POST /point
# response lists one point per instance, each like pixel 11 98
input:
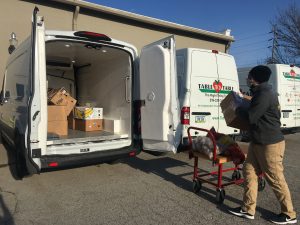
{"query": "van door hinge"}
pixel 40 20
pixel 35 115
pixel 36 153
pixel 167 44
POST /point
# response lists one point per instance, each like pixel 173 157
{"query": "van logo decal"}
pixel 292 74
pixel 216 87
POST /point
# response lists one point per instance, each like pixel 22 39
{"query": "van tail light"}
pixel 132 153
pixel 53 164
pixel 92 35
pixel 185 115
pixel 215 51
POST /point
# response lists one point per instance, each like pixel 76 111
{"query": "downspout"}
pixel 75 16
pixel 227 46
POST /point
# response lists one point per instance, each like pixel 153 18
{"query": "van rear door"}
pixel 297 95
pixel 158 92
pixel 229 81
pixel 37 116
pixel 205 90
pixel 286 88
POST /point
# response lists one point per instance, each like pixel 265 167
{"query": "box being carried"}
pixel 61 97
pixel 229 104
pixel 88 113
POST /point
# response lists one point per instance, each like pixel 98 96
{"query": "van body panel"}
pixel 205 79
pixel 285 81
pixel 28 81
pixel 14 113
pixel 158 90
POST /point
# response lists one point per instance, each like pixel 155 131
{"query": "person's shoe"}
pixel 241 213
pixel 283 219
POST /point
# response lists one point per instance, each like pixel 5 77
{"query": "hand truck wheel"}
pixel 236 175
pixel 261 183
pixel 197 185
pixel 220 196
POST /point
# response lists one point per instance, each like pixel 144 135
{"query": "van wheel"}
pixel 21 169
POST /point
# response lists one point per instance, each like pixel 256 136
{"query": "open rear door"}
pixel 37 116
pixel 158 92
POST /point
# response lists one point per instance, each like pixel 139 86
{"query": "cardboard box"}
pixel 88 113
pixel 56 113
pixel 71 120
pixel 61 97
pixel 57 120
pixel 88 125
pixel 229 104
pixel 58 127
pixel 71 123
pixel 113 126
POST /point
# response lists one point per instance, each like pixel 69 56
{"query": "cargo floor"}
pixel 76 136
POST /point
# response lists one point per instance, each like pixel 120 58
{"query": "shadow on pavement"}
pixel 11 163
pixel 6 217
pixel 160 167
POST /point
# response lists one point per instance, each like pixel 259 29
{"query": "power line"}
pixel 246 51
pixel 249 44
pixel 252 36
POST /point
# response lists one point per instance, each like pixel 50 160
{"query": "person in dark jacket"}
pixel 266 149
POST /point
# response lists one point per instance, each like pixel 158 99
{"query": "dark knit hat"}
pixel 260 73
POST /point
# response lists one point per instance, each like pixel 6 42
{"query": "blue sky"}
pixel 249 20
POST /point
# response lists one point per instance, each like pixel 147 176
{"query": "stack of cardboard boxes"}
pixel 229 105
pixel 63 114
pixel 60 105
pixel 86 118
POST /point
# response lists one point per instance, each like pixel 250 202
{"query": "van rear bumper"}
pixel 54 162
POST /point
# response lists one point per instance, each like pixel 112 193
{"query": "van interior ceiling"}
pixel 96 76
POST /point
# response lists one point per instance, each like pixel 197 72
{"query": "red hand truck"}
pixel 217 160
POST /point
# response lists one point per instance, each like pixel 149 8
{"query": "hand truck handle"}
pixel 210 135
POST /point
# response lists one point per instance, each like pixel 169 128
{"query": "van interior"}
pixel 96 76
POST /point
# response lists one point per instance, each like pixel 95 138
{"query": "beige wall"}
pixel 139 36
pixel 15 16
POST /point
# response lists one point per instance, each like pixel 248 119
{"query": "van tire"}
pixel 21 169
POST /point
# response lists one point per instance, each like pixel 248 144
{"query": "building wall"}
pixel 15 16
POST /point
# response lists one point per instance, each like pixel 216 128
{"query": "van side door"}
pixel 7 122
pixel 160 126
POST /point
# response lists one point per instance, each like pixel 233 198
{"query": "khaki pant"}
pixel 266 159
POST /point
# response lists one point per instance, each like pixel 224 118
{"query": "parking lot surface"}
pixel 144 190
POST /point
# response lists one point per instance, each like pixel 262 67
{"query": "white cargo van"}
pixel 285 80
pixel 205 77
pixel 93 68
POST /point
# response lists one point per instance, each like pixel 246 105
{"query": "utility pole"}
pixel 274 43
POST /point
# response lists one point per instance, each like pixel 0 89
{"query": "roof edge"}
pixel 145 19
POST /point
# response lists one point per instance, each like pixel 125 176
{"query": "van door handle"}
pixel 127 89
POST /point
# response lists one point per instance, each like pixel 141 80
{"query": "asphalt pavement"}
pixel 144 190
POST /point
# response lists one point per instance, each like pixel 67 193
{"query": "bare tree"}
pixel 286 29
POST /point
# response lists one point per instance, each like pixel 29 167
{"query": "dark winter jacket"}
pixel 263 115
